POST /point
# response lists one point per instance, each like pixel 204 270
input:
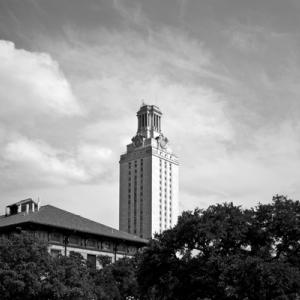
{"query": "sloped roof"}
pixel 52 216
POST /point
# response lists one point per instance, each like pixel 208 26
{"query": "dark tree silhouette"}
pixel 225 252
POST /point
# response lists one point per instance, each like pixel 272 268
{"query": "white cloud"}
pixel 95 158
pixel 38 159
pixel 37 162
pixel 223 153
pixel 32 83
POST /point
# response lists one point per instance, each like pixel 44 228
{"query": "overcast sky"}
pixel 73 74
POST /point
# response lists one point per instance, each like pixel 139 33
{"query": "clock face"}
pixel 137 141
pixel 163 143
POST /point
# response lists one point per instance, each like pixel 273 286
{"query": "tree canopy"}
pixel 222 252
pixel 226 252
pixel 27 271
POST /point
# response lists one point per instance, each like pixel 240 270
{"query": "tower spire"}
pixel 149 121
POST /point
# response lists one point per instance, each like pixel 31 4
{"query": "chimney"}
pixel 38 205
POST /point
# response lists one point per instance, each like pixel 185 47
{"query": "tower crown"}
pixel 149 121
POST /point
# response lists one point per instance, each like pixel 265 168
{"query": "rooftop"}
pixel 21 202
pixel 55 217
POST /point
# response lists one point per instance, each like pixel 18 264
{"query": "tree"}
pixel 24 264
pixel 118 280
pixel 27 271
pixel 225 252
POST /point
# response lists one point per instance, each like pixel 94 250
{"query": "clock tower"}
pixel 148 178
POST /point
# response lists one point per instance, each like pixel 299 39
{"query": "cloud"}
pixel 32 83
pixel 35 161
pixel 95 158
pixel 130 11
pixel 217 121
pixel 39 160
pixel 38 143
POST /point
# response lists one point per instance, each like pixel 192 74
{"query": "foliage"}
pixel 104 260
pixel 225 252
pixel 27 271
pixel 118 280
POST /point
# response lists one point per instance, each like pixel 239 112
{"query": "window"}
pixel 23 208
pixel 131 249
pixel 74 240
pixel 56 237
pixel 55 252
pixel 106 245
pixel 91 243
pixel 121 248
pixel 42 235
pixel 91 261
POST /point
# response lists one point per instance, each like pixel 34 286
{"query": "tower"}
pixel 148 178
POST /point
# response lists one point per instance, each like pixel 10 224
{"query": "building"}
pixel 66 232
pixel 148 179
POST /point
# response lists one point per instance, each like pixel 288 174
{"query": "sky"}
pixel 74 73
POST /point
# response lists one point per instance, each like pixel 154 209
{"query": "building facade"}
pixel 66 232
pixel 148 200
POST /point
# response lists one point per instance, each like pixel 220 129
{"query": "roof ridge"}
pixel 113 230
pixel 68 212
pixel 50 215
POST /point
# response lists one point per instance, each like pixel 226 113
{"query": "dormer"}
pixel 23 206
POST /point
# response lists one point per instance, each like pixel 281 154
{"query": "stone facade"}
pixel 148 179
pixel 65 232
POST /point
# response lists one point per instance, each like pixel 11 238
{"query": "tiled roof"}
pixel 52 216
